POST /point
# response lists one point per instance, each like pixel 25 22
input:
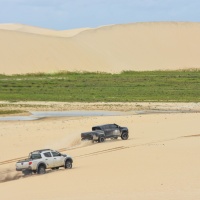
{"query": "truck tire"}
pixel 41 169
pixel 124 135
pixel 68 164
pixel 101 139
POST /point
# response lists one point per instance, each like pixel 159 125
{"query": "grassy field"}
pixel 129 86
pixel 9 112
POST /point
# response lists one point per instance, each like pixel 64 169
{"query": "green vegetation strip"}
pixel 129 86
pixel 8 112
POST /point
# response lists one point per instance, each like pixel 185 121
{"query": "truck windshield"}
pixel 34 156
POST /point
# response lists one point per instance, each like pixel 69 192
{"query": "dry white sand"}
pixel 158 162
pixel 114 48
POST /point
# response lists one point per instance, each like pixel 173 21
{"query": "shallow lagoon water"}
pixel 45 114
pixel 36 115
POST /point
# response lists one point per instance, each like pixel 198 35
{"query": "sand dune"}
pixel 158 162
pixel 41 31
pixel 139 46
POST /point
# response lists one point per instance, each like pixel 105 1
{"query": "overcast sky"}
pixel 69 14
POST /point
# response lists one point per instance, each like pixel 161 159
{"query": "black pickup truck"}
pixel 102 132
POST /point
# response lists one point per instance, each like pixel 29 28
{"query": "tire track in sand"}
pixel 93 153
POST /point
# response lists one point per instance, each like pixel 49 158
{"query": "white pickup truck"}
pixel 40 160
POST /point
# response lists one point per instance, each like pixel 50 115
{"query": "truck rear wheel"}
pixel 124 136
pixel 41 169
pixel 101 139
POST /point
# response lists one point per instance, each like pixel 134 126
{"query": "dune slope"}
pixel 139 46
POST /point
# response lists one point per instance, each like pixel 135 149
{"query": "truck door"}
pixel 114 130
pixel 111 130
pixel 106 130
pixel 48 159
pixel 58 159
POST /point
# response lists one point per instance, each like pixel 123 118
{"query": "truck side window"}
pixel 106 127
pixel 55 154
pixel 35 156
pixel 113 126
pixel 96 128
pixel 47 154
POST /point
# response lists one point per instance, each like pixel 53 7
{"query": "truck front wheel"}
pixel 68 164
pixel 124 136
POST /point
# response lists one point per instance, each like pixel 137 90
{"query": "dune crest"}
pixel 41 31
pixel 114 48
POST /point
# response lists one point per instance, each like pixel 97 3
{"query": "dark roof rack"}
pixel 105 125
pixel 41 150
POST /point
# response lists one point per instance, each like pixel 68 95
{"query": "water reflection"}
pixel 44 114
